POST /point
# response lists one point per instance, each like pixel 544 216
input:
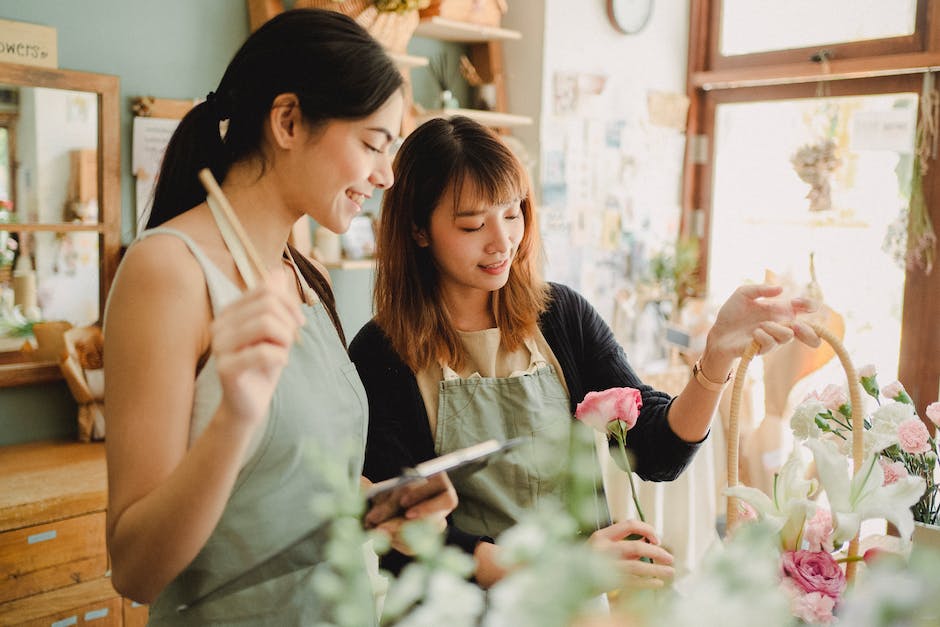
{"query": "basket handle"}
pixel 858 426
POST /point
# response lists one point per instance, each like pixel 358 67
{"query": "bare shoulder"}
pixel 159 284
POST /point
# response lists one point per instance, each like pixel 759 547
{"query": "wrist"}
pixel 712 373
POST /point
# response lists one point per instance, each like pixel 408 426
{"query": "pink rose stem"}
pixel 629 472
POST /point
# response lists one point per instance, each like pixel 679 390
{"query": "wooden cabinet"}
pixel 53 557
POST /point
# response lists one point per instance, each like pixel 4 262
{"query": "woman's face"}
pixel 474 247
pixel 345 161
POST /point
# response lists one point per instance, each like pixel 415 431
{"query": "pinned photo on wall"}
pixel 149 141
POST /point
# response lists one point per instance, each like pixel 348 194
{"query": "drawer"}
pixel 93 603
pixel 135 614
pixel 45 557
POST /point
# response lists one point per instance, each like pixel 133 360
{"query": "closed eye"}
pixel 371 147
pixel 467 229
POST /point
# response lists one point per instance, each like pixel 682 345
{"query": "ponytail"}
pixel 196 144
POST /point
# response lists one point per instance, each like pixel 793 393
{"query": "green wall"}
pixel 164 48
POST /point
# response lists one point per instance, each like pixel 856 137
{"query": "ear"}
pixel 285 119
pixel 420 237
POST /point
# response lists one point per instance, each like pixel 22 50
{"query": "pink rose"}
pixel 818 533
pixel 913 436
pixel 599 409
pixel 933 413
pixel 814 571
pixel 813 608
pixel 892 390
pixel 893 470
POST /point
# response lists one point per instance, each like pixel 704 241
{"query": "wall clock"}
pixel 629 16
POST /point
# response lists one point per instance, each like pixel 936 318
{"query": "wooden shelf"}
pixel 350 264
pixel 408 61
pixel 61 227
pixel 494 119
pixel 452 30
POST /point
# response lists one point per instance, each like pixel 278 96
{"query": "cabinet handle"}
pixel 93 614
pixel 42 537
pixel 65 622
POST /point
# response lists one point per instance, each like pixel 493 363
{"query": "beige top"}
pixel 486 357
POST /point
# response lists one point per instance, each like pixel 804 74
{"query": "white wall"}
pixel 618 166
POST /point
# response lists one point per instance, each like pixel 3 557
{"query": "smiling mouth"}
pixel 356 197
pixel 496 267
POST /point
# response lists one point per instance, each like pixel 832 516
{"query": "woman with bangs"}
pixel 469 343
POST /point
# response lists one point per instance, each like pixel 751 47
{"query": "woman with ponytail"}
pixel 229 408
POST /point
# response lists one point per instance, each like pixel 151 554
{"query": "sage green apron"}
pixel 533 405
pixel 258 564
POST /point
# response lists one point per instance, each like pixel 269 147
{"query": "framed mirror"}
pixel 60 213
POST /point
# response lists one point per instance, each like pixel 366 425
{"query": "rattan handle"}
pixel 858 427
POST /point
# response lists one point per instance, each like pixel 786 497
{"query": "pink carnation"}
pixel 892 390
pixel 893 470
pixel 599 409
pixel 933 413
pixel 867 371
pixel 814 571
pixel 832 397
pixel 813 608
pixel 818 532
pixel 913 436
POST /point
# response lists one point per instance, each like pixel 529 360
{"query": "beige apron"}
pixel 533 404
pixel 257 566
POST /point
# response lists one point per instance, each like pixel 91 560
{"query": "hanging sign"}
pixel 28 44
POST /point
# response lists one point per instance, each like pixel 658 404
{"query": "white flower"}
pixel 893 413
pixel 790 506
pixel 863 496
pixel 803 421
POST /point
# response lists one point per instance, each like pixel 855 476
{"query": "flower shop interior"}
pixel 631 116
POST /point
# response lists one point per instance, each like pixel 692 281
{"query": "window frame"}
pixel 858 68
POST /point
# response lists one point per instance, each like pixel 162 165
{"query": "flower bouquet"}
pixel 812 538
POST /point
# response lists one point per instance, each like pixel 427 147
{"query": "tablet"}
pixel 468 459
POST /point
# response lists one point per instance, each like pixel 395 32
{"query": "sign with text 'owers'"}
pixel 28 44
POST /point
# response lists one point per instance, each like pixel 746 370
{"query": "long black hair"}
pixel 336 69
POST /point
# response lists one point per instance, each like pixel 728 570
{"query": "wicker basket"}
pixel 484 12
pixel 858 427
pixel 392 30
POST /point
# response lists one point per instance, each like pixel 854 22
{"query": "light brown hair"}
pixel 408 304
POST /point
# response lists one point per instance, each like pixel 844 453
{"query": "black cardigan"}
pixel 590 359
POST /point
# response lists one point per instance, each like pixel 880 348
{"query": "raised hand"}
pixel 753 314
pixel 251 339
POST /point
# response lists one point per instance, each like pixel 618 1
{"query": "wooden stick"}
pixel 212 187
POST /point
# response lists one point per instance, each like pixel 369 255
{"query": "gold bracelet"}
pixel 705 382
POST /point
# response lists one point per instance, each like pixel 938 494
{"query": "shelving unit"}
pixel 408 61
pixel 451 30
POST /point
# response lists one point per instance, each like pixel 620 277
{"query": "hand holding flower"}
pixel 643 562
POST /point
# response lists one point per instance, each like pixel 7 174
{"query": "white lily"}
pixel 789 506
pixel 863 496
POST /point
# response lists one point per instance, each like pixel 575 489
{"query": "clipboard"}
pixel 462 459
